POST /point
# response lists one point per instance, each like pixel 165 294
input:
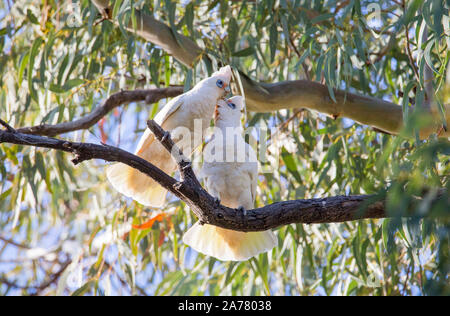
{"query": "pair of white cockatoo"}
pixel 232 182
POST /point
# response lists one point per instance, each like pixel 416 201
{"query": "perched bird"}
pixel 180 113
pixel 233 182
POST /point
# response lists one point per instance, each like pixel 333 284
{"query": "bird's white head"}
pixel 228 112
pixel 220 80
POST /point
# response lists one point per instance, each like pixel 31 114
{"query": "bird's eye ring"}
pixel 231 105
pixel 219 83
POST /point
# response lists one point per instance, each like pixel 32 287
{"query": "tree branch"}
pixel 12 242
pixel 115 100
pixel 205 207
pixel 39 288
pixel 53 278
pixel 267 97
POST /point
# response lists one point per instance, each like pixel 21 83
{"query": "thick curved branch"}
pixel 268 97
pixel 115 100
pixel 205 207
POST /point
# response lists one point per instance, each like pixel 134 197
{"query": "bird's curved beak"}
pixel 227 88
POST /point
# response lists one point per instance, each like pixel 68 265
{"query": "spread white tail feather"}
pixel 228 245
pixel 136 185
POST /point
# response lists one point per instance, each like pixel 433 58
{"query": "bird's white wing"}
pixel 169 109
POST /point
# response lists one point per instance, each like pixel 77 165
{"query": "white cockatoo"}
pixel 180 113
pixel 230 172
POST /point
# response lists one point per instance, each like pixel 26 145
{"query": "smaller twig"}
pixel 294 48
pixel 411 59
pixel 411 100
pixel 100 21
pixel 7 126
pixel 12 284
pixel 289 120
pixel 406 280
pixel 122 281
pixel 441 130
pixel 38 288
pixel 428 79
pixel 408 48
pixel 53 279
pixel 386 49
pixel 341 5
pixel 11 242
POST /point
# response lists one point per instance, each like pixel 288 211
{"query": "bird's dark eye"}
pixel 219 83
pixel 231 105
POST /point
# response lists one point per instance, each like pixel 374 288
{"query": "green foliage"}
pixel 52 71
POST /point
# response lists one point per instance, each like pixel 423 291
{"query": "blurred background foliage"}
pixel 64 230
